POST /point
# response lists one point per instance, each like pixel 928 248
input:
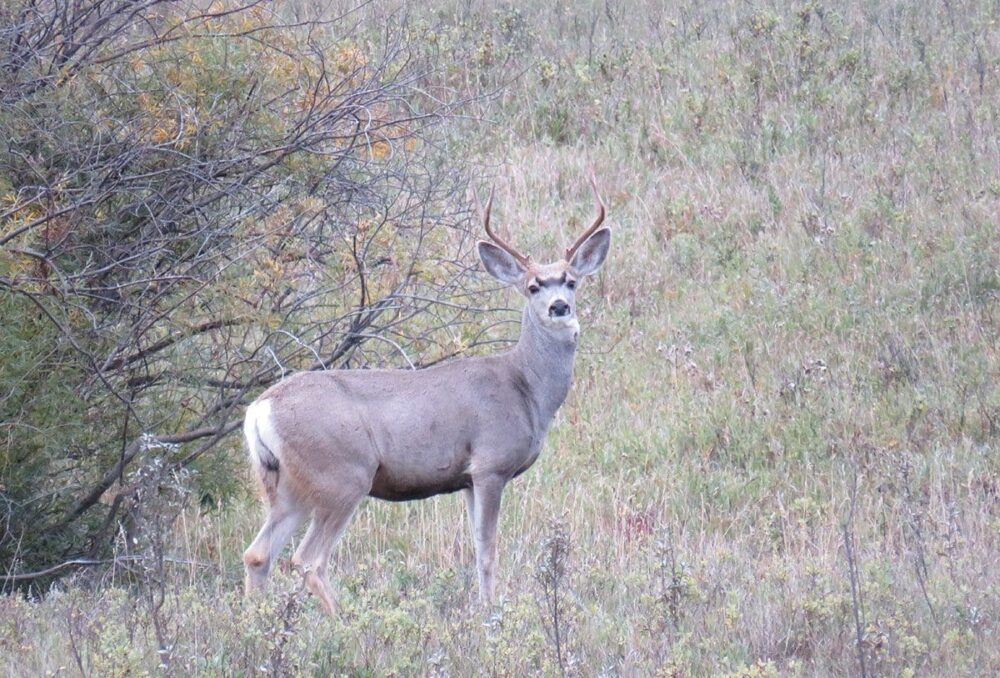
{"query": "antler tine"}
pixel 599 204
pixel 524 260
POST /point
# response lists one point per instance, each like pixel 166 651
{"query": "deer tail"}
pixel 263 447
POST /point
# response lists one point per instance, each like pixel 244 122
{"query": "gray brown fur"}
pixel 322 441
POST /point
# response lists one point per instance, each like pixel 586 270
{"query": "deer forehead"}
pixel 557 271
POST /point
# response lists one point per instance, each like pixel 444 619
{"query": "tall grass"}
pixel 779 456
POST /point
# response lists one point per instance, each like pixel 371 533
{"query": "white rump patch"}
pixel 258 429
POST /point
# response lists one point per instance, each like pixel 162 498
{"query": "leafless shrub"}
pixel 671 579
pixel 854 577
pixel 194 202
pixel 288 615
pixel 157 493
pixel 552 577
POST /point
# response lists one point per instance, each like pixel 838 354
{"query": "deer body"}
pixel 320 442
pixel 387 425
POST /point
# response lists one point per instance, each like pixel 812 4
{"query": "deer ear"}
pixel 590 255
pixel 500 264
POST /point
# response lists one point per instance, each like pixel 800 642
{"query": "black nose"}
pixel 559 308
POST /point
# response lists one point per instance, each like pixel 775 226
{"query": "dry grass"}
pixel 792 348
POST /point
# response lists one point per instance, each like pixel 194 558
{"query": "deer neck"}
pixel 545 357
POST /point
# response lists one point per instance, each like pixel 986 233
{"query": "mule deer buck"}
pixel 320 442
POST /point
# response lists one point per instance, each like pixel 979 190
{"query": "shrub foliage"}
pixel 194 201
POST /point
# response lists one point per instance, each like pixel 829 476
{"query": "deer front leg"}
pixel 470 509
pixel 484 514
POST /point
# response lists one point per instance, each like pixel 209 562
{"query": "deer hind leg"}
pixel 283 518
pixel 484 512
pixel 313 554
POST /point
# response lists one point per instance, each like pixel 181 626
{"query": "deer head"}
pixel 550 289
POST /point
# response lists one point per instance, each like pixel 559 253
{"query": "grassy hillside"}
pixel 779 456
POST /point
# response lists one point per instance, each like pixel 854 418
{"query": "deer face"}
pixel 550 289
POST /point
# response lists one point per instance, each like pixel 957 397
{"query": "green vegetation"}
pixel 779 456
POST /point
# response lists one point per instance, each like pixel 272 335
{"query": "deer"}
pixel 320 442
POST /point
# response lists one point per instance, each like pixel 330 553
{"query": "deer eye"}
pixel 571 284
pixel 533 288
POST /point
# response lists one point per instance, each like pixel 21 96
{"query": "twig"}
pixel 92 562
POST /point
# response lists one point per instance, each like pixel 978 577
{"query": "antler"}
pixel 599 204
pixel 524 260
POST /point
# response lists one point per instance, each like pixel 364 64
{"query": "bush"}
pixel 193 203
